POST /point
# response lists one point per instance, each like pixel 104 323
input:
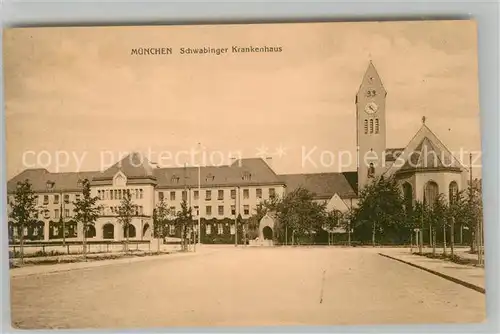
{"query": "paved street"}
pixel 244 286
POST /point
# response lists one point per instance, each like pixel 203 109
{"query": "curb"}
pixel 437 273
pixel 97 264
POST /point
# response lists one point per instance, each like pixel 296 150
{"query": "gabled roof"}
pixel 425 152
pixel 133 165
pixel 323 185
pixel 243 172
pixel 39 178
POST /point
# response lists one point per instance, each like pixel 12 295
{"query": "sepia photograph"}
pixel 267 174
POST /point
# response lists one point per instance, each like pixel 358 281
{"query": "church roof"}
pixel 323 185
pixel 424 152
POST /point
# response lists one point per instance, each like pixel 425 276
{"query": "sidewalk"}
pixel 54 268
pixel 469 276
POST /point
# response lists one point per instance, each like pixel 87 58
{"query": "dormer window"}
pixel 79 183
pixel 210 177
pixel 50 185
pixel 246 176
pixel 175 179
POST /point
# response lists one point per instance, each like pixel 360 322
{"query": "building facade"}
pixel 424 168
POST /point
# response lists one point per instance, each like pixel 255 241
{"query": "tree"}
pixel 126 211
pixel 86 211
pixel 24 211
pixel 380 212
pixel 299 214
pixel 333 220
pixel 184 219
pixel 160 219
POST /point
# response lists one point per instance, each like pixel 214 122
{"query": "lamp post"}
pixel 199 199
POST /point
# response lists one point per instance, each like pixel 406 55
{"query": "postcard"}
pixel 244 175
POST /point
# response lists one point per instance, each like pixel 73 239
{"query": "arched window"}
pixel 371 126
pixel 376 125
pixel 108 231
pixel 431 192
pixel 366 126
pixel 131 231
pixel 408 196
pixel 90 232
pixel 453 191
pixel 145 230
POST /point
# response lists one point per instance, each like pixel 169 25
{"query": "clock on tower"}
pixel 370 115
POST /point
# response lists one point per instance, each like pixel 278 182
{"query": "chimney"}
pixel 269 161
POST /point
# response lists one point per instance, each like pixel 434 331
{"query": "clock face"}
pixel 371 108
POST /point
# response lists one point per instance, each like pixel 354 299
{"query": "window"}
pixel 197 210
pixel 184 195
pixel 232 229
pixel 259 193
pixel 209 229
pixel 46 214
pixel 233 193
pixel 196 195
pixel 172 195
pixel 246 209
pixel 376 125
pixel 56 213
pixel 233 210
pixel 221 210
pixel 247 176
pixel 220 194
pixel 366 126
pixel 246 193
pixel 453 192
pixel 77 197
pixel 220 229
pixel 208 210
pixel 172 209
pixel 66 212
pixel 160 196
pixel 175 179
pixel 111 194
pixel 171 228
pixel 371 125
pixel 272 192
pixel 208 195
pixel 56 199
pixel 66 198
pixel 210 177
pixel 140 210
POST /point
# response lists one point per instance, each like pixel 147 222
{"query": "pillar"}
pixel 46 230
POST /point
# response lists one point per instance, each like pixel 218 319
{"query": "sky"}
pixel 78 93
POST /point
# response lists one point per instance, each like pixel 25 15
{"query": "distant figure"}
pixel 371 171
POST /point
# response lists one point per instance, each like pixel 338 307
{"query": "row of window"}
pixel 220 210
pixel 45 199
pixel 57 213
pixel 372 126
pixel 220 194
pixel 116 209
pixel 219 227
pixel 118 194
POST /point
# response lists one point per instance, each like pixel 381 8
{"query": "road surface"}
pixel 244 287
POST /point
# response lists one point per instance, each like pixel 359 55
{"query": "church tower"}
pixel 370 116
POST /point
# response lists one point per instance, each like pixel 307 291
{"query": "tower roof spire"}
pixel 371 78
